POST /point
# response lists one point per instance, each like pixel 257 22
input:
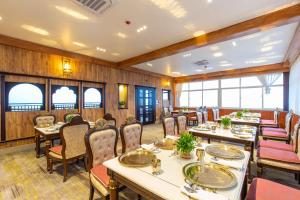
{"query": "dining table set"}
pixel 214 171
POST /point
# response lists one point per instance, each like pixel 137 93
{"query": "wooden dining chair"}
pixel 181 123
pixel 205 116
pixel 131 135
pixel 199 118
pixel 262 189
pixel 101 145
pixel 73 146
pixel 110 120
pixel 70 114
pixel 216 114
pixel 271 123
pixel 169 126
pixel 283 160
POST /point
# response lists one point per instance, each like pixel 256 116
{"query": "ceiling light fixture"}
pixel 267 48
pixel 149 64
pixel 226 65
pixel 72 13
pixel 35 29
pixel 218 54
pixel 100 49
pixel 223 62
pixel 172 6
pixel 214 48
pixel 176 73
pixel 141 29
pixel 234 44
pixel 199 70
pixel 121 35
pixel 115 54
pixel 79 44
pixel 187 55
pixel 0 18
pixel 199 33
pixel 209 1
pixel 255 61
pixel 273 43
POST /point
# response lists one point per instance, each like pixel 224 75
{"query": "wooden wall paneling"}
pixel 2 108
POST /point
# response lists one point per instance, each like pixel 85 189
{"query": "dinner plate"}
pixel 137 158
pixel 225 152
pixel 209 175
pixel 166 144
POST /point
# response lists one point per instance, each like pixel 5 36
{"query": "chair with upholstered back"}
pixel 110 120
pixel 205 116
pixel 101 145
pixel 216 114
pixel 131 135
pixel 181 123
pixel 73 146
pixel 67 115
pixel 271 123
pixel 169 126
pixel 199 118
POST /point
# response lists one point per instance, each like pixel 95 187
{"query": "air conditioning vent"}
pixel 95 6
pixel 201 62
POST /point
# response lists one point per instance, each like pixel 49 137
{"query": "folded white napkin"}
pixel 148 147
pixel 238 164
pixel 202 194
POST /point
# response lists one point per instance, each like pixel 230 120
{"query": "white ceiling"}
pixel 262 48
pixel 163 28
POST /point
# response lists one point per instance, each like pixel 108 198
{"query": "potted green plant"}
pixel 245 111
pixel 226 122
pixel 186 144
pixel 122 104
pixel 239 115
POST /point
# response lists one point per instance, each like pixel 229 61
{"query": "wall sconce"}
pixel 168 83
pixel 67 69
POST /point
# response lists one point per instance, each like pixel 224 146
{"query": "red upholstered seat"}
pixel 268 122
pixel 262 189
pixel 56 149
pixel 274 129
pixel 194 118
pixel 100 172
pixel 275 134
pixel 275 145
pixel 278 155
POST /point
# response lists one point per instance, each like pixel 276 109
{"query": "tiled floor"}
pixel 22 176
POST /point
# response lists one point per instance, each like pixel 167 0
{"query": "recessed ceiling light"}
pixel 79 44
pixel 234 44
pixel 209 1
pixel 273 43
pixel 72 13
pixel 226 65
pixel 187 55
pixel 100 49
pixel 265 39
pixel 255 61
pixel 141 29
pixel 149 64
pixel 0 18
pixel 176 73
pixel 121 35
pixel 115 54
pixel 199 33
pixel 35 29
pixel 214 48
pixel 172 6
pixel 268 48
pixel 229 69
pixel 208 68
pixel 218 54
pixel 199 70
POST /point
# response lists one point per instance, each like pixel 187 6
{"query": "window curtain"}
pixel 268 80
pixel 178 94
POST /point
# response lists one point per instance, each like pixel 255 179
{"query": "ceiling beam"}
pixel 264 69
pixel 294 49
pixel 258 24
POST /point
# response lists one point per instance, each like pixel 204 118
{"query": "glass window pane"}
pixel 92 98
pixel 210 98
pixel 185 86
pixel 250 81
pixel 231 82
pixel 184 99
pixel 251 98
pixel 279 81
pixel 195 85
pixel 231 98
pixel 195 99
pixel 275 98
pixel 211 84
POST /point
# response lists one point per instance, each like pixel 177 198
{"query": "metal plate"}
pixel 201 128
pixel 224 151
pixel 137 158
pixel 166 144
pixel 209 175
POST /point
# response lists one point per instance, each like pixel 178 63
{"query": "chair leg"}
pixel 65 171
pixel 259 171
pixel 51 165
pixel 85 163
pixel 92 190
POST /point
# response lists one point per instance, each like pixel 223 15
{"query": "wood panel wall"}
pixel 17 61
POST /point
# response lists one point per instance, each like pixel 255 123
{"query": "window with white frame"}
pixel 258 92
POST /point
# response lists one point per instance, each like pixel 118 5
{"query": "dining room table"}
pixel 248 114
pixel 170 184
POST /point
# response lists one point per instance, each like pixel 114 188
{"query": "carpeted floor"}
pixel 23 176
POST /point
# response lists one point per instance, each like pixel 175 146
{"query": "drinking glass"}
pixel 156 166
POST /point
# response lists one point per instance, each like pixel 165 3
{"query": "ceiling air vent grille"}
pixel 201 62
pixel 96 6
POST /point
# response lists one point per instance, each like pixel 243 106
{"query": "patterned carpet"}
pixel 24 177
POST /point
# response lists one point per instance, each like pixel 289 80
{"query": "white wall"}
pixel 294 91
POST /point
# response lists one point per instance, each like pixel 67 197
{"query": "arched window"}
pixel 64 97
pixel 92 98
pixel 24 96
